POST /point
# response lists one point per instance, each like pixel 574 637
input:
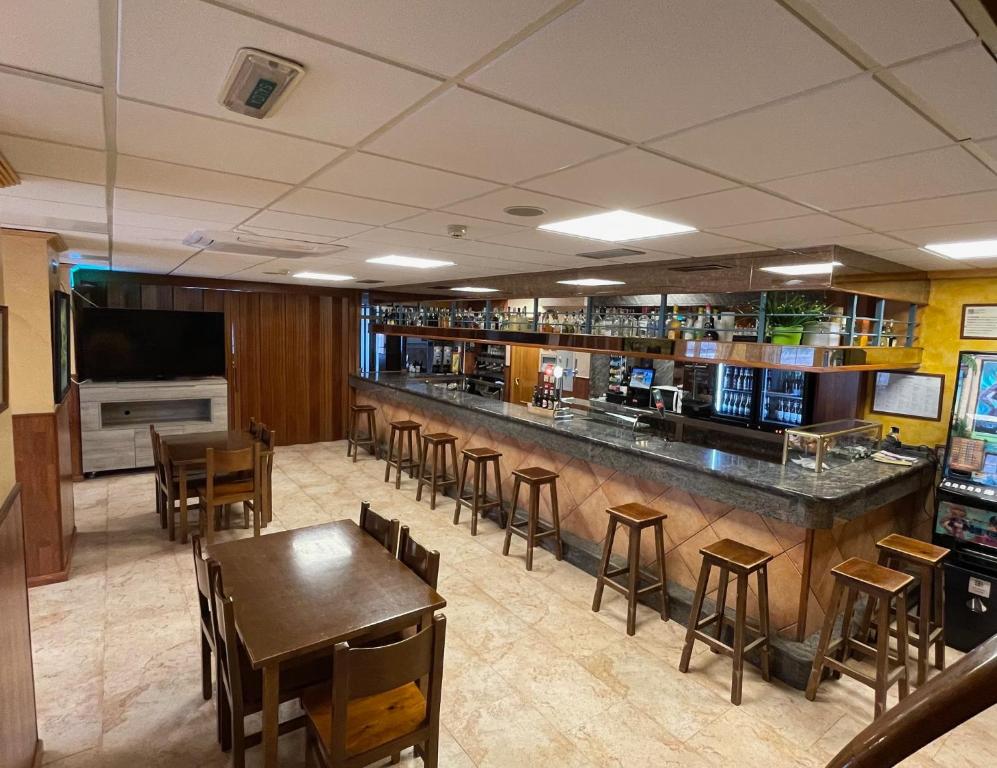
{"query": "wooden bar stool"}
pixel 399 430
pixel 438 442
pixel 636 517
pixel 478 500
pixel 854 577
pixel 535 478
pixel 353 440
pixel 731 557
pixel 897 551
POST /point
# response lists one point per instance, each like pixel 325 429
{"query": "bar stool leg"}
pixel 401 458
pixel 498 490
pixel 722 604
pixel 600 577
pixel 633 579
pixel 659 546
pixel 882 656
pixel 763 620
pixel 556 520
pixel 902 649
pixel 923 624
pixel 391 443
pixel 372 432
pixel 825 639
pixel 436 464
pixel 939 614
pixel 461 482
pixel 531 524
pixel 411 456
pixel 739 632
pixel 422 475
pixel 351 435
pixel 512 516
pixel 453 462
pixel 475 498
pixel 846 630
pixel 694 611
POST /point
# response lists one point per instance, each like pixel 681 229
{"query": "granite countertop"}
pixel 817 498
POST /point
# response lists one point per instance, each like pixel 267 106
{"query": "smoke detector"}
pixel 259 245
pixel 457 231
pixel 258 82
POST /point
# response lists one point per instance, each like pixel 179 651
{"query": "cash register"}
pixel 639 388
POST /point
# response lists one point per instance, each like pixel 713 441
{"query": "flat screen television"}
pixel 115 344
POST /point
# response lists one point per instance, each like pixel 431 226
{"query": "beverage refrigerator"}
pixel 966 504
pixel 769 399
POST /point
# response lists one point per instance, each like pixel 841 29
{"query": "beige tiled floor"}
pixel 533 677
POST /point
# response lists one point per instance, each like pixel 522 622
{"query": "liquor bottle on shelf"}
pixel 709 324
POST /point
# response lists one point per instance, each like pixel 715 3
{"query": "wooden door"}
pixel 523 367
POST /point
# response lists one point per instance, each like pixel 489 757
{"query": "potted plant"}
pixel 787 312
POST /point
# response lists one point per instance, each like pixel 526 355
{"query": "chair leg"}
pixel 556 521
pixel 763 620
pixel 694 611
pixel 238 739
pixel 205 668
pixel 225 718
pixel 309 749
pixel 600 577
pixel 633 579
pixel 659 546
pixel 531 524
pixel 740 620
pixel 461 482
pixel 825 639
pixel 511 518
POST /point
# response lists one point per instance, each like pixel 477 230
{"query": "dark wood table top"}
pixel 192 448
pixel 300 591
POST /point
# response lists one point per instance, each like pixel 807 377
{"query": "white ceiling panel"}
pixel 397 181
pixel 213 264
pixel 957 209
pixel 34 213
pixel 177 137
pixel 435 223
pixel 918 259
pixel 180 226
pixel 726 208
pixel 196 183
pixel 960 84
pixel 342 97
pixel 629 179
pixel 57 191
pixel 492 206
pixel 872 242
pixel 395 240
pixel 308 225
pixel 814 229
pixel 148 238
pixel 41 109
pixel 990 147
pixel 148 202
pixel 57 37
pixel 892 30
pixel 130 257
pixel 980 230
pixel 696 244
pixel 497 254
pixel 332 205
pixel 80 245
pixel 644 68
pixel 945 171
pixel 552 241
pixel 42 158
pixel 467 133
pixel 847 123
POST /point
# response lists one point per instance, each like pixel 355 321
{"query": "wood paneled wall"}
pixel 291 348
pixel 18 730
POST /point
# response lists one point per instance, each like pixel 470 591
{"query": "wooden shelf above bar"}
pixel 743 353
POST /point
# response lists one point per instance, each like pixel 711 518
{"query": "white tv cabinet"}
pixel 115 417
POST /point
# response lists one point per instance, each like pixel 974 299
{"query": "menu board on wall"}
pixel 914 395
pixel 979 321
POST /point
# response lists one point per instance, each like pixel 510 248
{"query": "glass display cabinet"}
pixel 832 444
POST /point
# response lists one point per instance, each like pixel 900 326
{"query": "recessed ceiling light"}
pixel 823 268
pixel 524 210
pixel 475 289
pixel 967 249
pixel 321 276
pixel 591 281
pixel 617 226
pixel 410 261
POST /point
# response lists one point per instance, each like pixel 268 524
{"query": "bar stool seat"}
pixel 434 453
pixel 477 501
pixel 535 479
pixel 401 429
pixel 883 585
pixel 731 557
pixel 636 517
pixel 353 440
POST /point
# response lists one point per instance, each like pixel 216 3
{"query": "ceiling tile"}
pixel 467 133
pixel 436 222
pixel 342 97
pixel 167 205
pixel 80 245
pixel 980 230
pixel 814 229
pixel 956 209
pixel 945 171
pixel 136 257
pixel 629 179
pixel 397 181
pixel 918 259
pixel 22 211
pixel 847 123
pixel 891 30
pixel 180 226
pixel 44 110
pixel 871 242
pixel 666 65
pixel 554 242
pixel 331 205
pixel 961 84
pixel 492 206
pixel 311 225
pixel 443 35
pixel 42 158
pixel 57 191
pixel 195 183
pixel 496 253
pixel 177 137
pixel 375 238
pixel 990 147
pixel 214 264
pixel 726 208
pixel 148 239
pixel 56 37
pixel 696 244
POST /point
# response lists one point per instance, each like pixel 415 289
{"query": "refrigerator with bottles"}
pixel 769 399
pixel 735 394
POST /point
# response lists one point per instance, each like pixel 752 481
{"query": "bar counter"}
pixel 809 522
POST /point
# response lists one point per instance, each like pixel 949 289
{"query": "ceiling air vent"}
pixel 368 282
pixel 700 268
pixel 8 176
pixel 259 245
pixel 612 253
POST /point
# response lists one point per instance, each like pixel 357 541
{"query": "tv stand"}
pixel 115 417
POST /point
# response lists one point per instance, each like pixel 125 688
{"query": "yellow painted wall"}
pixel 939 331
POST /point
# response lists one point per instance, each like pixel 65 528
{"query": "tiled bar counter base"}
pixel 708 495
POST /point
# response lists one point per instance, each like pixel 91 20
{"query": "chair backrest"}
pixel 382 530
pixel 268 440
pixel 226 637
pixel 422 562
pixel 254 427
pixel 157 453
pixel 203 579
pixel 361 672
pixel 219 464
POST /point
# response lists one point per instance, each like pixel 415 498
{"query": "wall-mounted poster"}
pixel 915 395
pixel 4 373
pixel 60 345
pixel 979 321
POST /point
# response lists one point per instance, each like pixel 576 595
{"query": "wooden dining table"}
pixel 298 593
pixel 189 452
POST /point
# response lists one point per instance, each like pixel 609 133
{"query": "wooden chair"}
pixel 254 427
pixel 268 441
pixel 168 484
pixel 204 602
pixel 383 531
pixel 240 687
pixel 422 562
pixel 375 706
pixel 224 486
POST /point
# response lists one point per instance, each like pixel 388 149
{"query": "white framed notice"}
pixel 914 395
pixel 979 321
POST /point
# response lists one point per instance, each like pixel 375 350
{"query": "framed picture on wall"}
pixel 60 345
pixel 4 374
